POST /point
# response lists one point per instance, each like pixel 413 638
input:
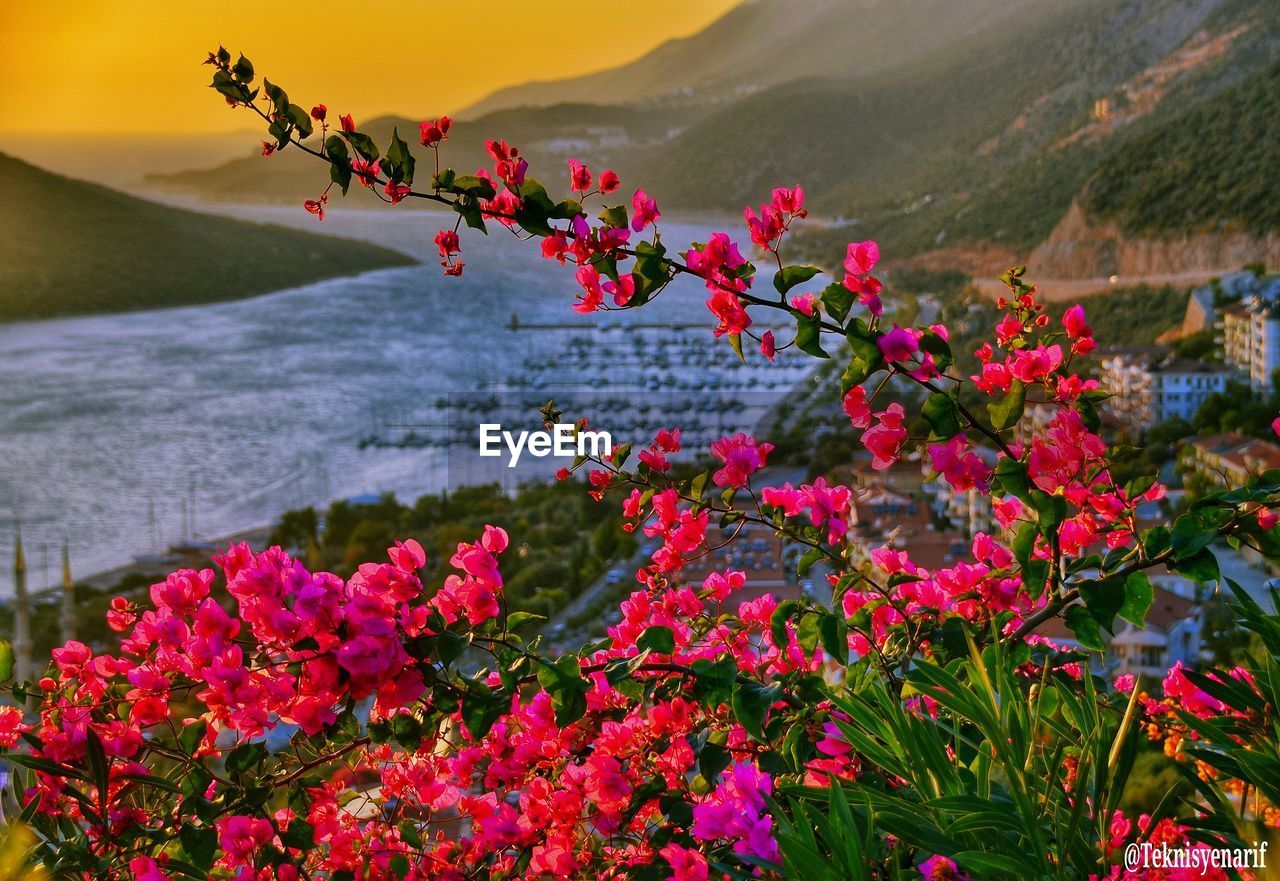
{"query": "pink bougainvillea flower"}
pixel 806 303
pixel 856 407
pixel 592 293
pixel 742 456
pixel 899 344
pixel 686 863
pixel 609 181
pixel 861 257
pixel 621 290
pixel 447 241
pixel 940 868
pixel 432 132
pixel 962 469
pixel 885 439
pixel 644 211
pixel 579 176
pixel 1074 322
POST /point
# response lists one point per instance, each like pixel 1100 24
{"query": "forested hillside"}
pixel 1218 165
pixel 69 247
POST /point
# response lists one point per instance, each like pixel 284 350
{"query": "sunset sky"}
pixel 133 66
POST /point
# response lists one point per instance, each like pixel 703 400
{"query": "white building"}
pixel 1151 385
pixel 1251 339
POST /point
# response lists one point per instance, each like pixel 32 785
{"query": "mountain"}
pixel 121 160
pixel 1200 191
pixel 959 132
pixel 1216 166
pixel 761 43
pixel 547 137
pixel 70 247
pixel 988 141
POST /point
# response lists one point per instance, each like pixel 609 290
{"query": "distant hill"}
pixel 939 127
pixel 986 141
pixel 1218 166
pixel 1199 192
pixel 548 136
pixel 69 247
pixel 761 43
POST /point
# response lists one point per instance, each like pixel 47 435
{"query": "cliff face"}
pixel 1080 247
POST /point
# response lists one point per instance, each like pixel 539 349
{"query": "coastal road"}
pixel 1056 290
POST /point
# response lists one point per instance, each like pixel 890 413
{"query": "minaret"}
pixel 68 618
pixel 21 614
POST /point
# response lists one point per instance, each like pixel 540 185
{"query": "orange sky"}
pixel 132 66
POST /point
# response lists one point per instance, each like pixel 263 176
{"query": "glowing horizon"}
pixel 59 60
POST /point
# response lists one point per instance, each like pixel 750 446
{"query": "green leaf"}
pixel 835 636
pixel 735 343
pixel 933 343
pixel 1138 597
pixel 807 632
pixel 35 763
pixel 470 184
pixel 562 680
pixel 1189 536
pixel 481 707
pixel 865 360
pixel 516 620
pixel 783 613
pixel 750 704
pixel 1084 626
pixel 658 639
pixel 698 484
pixel 469 208
pixel 534 212
pixel 243 71
pixel 301 120
pixel 1103 598
pixel 808 559
pixel 615 217
pixel 407 731
pixel 713 681
pixel 1011 476
pixel 1035 575
pixel 278 96
pixel 400 160
pixel 713 758
pixel 788 277
pixel 6 660
pixel 837 300
pixel 809 336
pixel 363 144
pixel 1201 567
pixel 244 757
pixel 1006 413
pixel 200 844
pixel 940 412
pixel 984 864
pixel 1051 510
